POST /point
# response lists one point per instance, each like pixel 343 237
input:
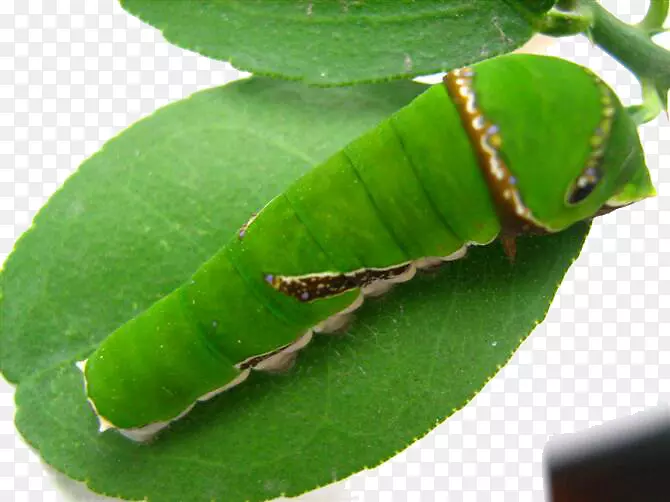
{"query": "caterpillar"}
pixel 518 144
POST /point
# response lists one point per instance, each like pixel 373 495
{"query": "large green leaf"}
pixel 331 42
pixel 143 213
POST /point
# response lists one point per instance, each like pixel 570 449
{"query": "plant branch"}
pixel 652 104
pixel 631 45
pixel 563 23
pixel 656 16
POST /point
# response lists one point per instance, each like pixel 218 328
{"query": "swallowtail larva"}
pixel 514 145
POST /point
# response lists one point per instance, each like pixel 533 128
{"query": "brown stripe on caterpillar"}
pixel 310 287
pixel 275 360
pixel 255 360
pixel 243 229
pixel 515 217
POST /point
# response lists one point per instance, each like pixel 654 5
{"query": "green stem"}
pixel 564 23
pixel 633 47
pixel 656 16
pixel 651 107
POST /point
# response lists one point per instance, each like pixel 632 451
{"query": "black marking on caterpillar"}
pixel 588 180
pixel 312 287
pixel 256 360
pixel 243 229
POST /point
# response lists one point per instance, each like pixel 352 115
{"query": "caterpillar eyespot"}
pixel 467 162
pixel 584 186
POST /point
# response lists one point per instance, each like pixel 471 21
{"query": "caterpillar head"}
pixel 554 142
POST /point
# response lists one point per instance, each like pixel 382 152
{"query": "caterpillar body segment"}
pixel 517 144
pixel 457 190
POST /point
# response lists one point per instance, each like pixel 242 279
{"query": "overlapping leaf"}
pixel 335 42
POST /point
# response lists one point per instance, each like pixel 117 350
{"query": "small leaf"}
pixel 141 215
pixel 329 42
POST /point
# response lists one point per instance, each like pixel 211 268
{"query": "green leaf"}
pixel 141 215
pixel 538 6
pixel 329 42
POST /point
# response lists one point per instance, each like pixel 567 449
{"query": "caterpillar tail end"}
pixel 148 432
pixel 140 435
pixel 103 424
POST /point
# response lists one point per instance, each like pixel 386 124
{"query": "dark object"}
pixel 624 460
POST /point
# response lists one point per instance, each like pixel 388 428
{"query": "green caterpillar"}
pixel 514 145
